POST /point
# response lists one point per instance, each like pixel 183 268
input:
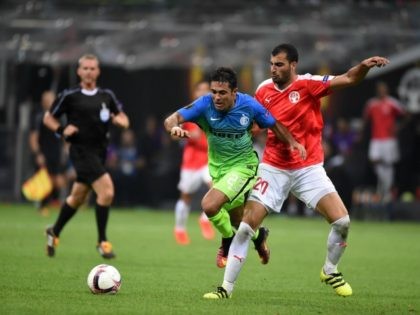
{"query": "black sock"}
pixel 102 214
pixel 66 213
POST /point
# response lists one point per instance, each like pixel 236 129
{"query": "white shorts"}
pixel 308 184
pixel 191 180
pixel 384 150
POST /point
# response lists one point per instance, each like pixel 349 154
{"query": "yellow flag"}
pixel 38 186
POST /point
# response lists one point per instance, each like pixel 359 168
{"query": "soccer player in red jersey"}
pixel 382 111
pixel 294 100
pixel 194 172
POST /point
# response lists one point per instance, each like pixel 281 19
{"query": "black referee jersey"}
pixel 90 111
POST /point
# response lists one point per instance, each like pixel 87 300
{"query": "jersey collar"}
pixel 282 90
pixel 89 92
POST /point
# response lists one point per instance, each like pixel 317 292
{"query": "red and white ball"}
pixel 104 279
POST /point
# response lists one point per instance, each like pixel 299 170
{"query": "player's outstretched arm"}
pixel 357 73
pixel 172 126
pixel 284 135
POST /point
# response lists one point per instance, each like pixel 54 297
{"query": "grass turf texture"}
pixel 382 263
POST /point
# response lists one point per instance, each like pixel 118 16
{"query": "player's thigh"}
pixel 213 201
pixel 374 152
pixel 189 181
pixel 103 185
pixel 271 188
pixel 310 184
pixel 390 151
pixel 235 184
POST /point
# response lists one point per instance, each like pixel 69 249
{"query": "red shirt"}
pixel 383 113
pixel 195 150
pixel 298 108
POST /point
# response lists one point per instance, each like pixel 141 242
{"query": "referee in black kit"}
pixel 89 110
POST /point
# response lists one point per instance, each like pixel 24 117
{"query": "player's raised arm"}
pixel 172 126
pixel 284 135
pixel 357 73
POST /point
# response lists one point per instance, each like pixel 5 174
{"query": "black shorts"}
pixel 54 165
pixel 88 162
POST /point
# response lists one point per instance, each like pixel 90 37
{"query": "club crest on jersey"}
pixel 104 114
pixel 294 97
pixel 244 121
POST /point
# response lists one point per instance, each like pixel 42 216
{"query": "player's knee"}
pixel 244 232
pixel 106 197
pixel 210 208
pixel 75 201
pixel 342 225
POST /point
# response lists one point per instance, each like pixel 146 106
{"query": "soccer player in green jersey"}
pixel 226 116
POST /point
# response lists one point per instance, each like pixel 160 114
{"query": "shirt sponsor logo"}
pixel 214 118
pixel 294 97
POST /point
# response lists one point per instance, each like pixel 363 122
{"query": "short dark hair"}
pixel 225 74
pixel 290 50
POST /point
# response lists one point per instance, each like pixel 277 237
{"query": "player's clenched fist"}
pixel 179 132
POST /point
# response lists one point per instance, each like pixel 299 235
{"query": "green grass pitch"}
pixel 382 263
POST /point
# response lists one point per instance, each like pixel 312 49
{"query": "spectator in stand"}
pixel 150 139
pixel 382 112
pixel 151 144
pixel 126 165
pixel 343 137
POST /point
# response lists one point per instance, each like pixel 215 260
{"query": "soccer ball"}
pixel 104 279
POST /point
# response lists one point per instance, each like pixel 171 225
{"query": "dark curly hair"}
pixel 225 74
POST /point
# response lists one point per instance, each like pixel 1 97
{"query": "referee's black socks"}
pixel 66 213
pixel 102 214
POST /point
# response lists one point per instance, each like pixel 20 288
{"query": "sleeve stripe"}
pixel 60 101
pixel 116 101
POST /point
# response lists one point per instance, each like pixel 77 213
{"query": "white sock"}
pixel 385 173
pixel 237 254
pixel 182 210
pixel 336 243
